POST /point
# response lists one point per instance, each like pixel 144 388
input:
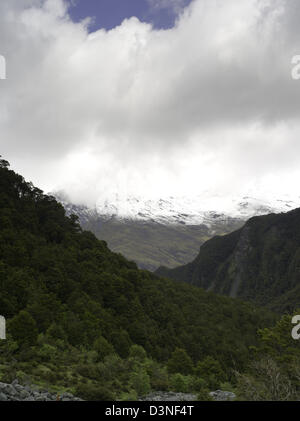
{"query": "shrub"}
pixel 266 382
pixel 180 383
pixel 24 329
pixel 87 370
pixel 46 352
pixel 180 362
pixel 140 382
pixel 90 392
pixel 138 353
pixel 113 367
pixel 199 384
pixel 211 370
pixel 129 396
pixel 227 387
pixel 159 378
pixel 204 395
pixel 103 348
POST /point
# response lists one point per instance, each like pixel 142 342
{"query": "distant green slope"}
pixel 260 262
pixel 151 244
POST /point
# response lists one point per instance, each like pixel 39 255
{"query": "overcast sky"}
pixel 185 98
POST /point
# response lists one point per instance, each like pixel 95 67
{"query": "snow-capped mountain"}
pixel 183 210
pixel 168 232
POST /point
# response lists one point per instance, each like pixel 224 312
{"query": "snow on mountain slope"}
pixel 183 210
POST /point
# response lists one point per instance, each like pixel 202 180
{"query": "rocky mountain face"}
pixel 169 232
pixel 259 262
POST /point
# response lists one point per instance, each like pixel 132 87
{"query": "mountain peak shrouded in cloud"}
pixel 207 105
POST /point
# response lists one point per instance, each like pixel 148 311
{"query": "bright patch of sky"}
pixel 108 14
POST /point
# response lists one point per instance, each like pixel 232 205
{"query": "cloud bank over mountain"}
pixel 208 105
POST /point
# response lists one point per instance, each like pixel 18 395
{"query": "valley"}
pixel 167 232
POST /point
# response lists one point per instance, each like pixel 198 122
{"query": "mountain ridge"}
pixel 166 232
pixel 260 262
pixel 185 210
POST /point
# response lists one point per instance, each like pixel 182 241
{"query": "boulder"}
pixel 221 395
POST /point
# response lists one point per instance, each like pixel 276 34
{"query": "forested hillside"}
pixel 85 319
pixel 260 262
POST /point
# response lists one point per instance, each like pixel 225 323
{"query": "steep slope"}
pixel 260 262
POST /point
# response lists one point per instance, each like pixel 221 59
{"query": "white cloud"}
pixel 209 104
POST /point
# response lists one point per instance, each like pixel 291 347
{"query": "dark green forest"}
pixel 83 319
